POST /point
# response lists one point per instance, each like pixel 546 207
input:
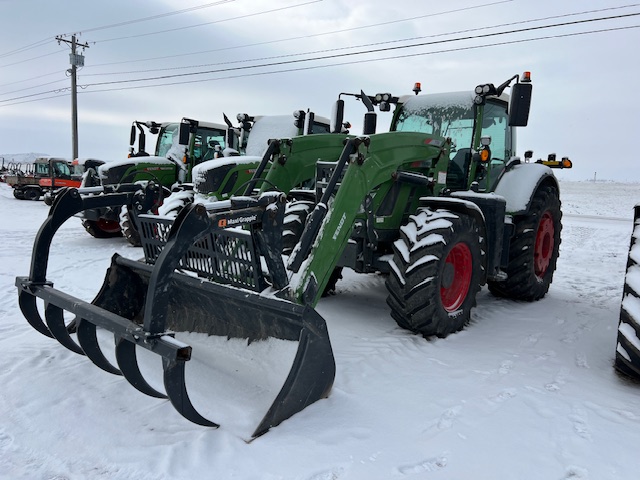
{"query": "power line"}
pixel 25 48
pixel 209 23
pixel 375 50
pixel 114 25
pixel 314 67
pixel 362 45
pixel 220 2
pixel 30 59
pixel 333 32
pixel 155 17
pixel 348 54
pixel 338 64
pixel 35 86
pixel 29 79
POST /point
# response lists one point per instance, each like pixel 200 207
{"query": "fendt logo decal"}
pixel 230 222
pixel 340 224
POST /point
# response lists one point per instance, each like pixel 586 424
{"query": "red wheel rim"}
pixel 543 250
pixel 456 277
pixel 108 226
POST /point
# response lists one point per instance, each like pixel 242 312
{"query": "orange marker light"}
pixel 526 76
pixel 566 163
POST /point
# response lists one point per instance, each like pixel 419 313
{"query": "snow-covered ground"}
pixel 526 391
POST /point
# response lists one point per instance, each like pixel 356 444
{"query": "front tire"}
pixel 128 228
pixel 175 202
pixel 102 228
pixel 32 194
pixel 436 272
pixel 534 249
pixel 295 218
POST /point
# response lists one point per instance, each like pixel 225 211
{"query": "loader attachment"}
pixel 202 277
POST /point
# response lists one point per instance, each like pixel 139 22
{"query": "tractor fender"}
pixel 519 184
pixel 462 207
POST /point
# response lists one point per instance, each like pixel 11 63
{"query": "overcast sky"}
pixel 585 100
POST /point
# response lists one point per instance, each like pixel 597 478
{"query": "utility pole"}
pixel 76 60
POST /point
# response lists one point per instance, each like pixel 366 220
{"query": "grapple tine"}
pixel 55 321
pixel 88 340
pixel 311 375
pixel 128 363
pixel 29 309
pixel 174 383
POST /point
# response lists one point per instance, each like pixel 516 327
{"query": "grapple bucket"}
pixel 222 293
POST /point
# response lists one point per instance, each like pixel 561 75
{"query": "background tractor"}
pixel 170 163
pixel 229 171
pixel 49 175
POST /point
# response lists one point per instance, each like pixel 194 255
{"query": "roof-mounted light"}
pixel 417 88
pixel 526 77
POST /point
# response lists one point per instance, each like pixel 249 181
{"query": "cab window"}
pixel 206 143
pixel 495 124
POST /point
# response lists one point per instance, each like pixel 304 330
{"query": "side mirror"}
pixel 370 121
pixel 230 138
pixel 132 136
pixel 337 116
pixel 520 104
pixel 183 133
pixel 308 123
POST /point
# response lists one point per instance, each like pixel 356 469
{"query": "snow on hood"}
pixel 133 160
pixel 199 170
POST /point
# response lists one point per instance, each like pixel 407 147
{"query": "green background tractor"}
pixel 170 163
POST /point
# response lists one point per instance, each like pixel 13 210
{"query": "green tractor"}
pixel 233 172
pixel 170 164
pixel 440 204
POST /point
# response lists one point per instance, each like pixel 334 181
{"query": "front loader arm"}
pixel 368 162
pixel 305 152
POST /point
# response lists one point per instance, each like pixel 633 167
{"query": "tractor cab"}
pixel 480 127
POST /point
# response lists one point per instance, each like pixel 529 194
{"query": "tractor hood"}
pixel 221 177
pixel 118 171
pixel 199 171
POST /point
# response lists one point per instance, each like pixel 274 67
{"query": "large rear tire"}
pixel 102 228
pixel 534 249
pixel 436 272
pixel 628 342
